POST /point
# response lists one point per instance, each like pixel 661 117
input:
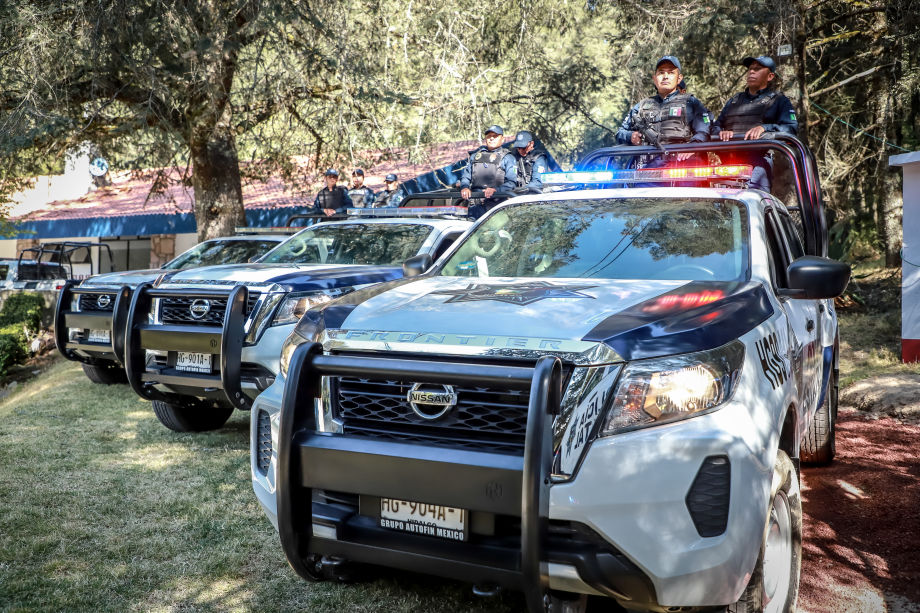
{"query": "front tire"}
pixel 106 375
pixel 774 584
pixel 819 445
pixel 190 418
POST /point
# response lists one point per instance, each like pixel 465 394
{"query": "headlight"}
pixel 291 343
pixel 294 306
pixel 662 390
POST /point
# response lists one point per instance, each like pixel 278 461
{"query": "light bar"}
pixel 740 172
pixel 410 211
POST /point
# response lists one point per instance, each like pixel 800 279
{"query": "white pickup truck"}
pixel 599 391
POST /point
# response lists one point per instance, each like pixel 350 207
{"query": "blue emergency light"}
pixel 736 172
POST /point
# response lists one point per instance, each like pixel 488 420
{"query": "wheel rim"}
pixel 777 557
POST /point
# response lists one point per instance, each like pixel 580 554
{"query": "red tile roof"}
pixel 129 193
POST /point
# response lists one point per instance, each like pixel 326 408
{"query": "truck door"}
pixel 802 316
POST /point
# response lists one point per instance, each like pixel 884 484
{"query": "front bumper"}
pixel 71 328
pixel 621 527
pixel 240 371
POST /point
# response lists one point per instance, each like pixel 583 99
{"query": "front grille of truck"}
pixel 484 419
pixel 90 302
pixel 177 310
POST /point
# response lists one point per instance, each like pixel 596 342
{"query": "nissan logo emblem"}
pixel 431 401
pixel 199 308
pixel 104 300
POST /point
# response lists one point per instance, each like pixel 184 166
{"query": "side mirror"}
pixel 816 278
pixel 416 265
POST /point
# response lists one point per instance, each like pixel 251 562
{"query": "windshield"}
pixel 629 238
pixel 220 251
pixel 381 244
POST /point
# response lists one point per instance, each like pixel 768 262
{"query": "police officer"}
pixel 756 110
pixel 529 162
pixel 392 193
pixel 360 194
pixel 490 168
pixel 332 199
pixel 670 116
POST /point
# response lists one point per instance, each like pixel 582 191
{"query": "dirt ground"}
pixel 862 515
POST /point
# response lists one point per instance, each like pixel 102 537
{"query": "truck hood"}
pixel 289 277
pixel 634 318
pixel 131 278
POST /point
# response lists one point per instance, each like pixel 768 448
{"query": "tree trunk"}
pixel 218 189
pixel 800 39
pixel 890 214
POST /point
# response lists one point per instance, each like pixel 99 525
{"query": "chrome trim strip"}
pixel 465 345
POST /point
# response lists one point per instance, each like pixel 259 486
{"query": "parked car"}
pixel 90 316
pixel 203 342
pixel 597 391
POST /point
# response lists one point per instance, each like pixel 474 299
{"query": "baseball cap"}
pixel 332 172
pixel 390 177
pixel 763 60
pixel 522 139
pixel 668 58
pixel 357 171
pixel 496 129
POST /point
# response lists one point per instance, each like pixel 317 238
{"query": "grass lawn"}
pixel 104 509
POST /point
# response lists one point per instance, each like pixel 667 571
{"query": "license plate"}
pixel 194 362
pixel 422 518
pixel 100 336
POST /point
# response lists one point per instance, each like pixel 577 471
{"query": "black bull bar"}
pixel 114 321
pixel 308 460
pixel 227 340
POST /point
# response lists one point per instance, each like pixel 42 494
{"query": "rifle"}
pixel 648 134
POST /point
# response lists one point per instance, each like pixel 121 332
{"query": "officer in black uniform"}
pixel 361 195
pixel 758 109
pixel 529 163
pixel 332 199
pixel 490 168
pixel 392 193
pixel 670 116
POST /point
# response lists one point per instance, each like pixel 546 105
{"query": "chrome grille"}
pixel 177 310
pixel 90 302
pixel 485 418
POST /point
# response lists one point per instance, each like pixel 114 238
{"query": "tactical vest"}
pixel 331 199
pixel 668 119
pixel 359 196
pixel 383 198
pixel 740 114
pixel 486 170
pixel 525 166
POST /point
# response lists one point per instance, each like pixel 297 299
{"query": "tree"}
pixel 157 79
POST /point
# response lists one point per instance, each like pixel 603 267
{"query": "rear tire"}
pixel 105 375
pixel 192 418
pixel 774 584
pixel 819 445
